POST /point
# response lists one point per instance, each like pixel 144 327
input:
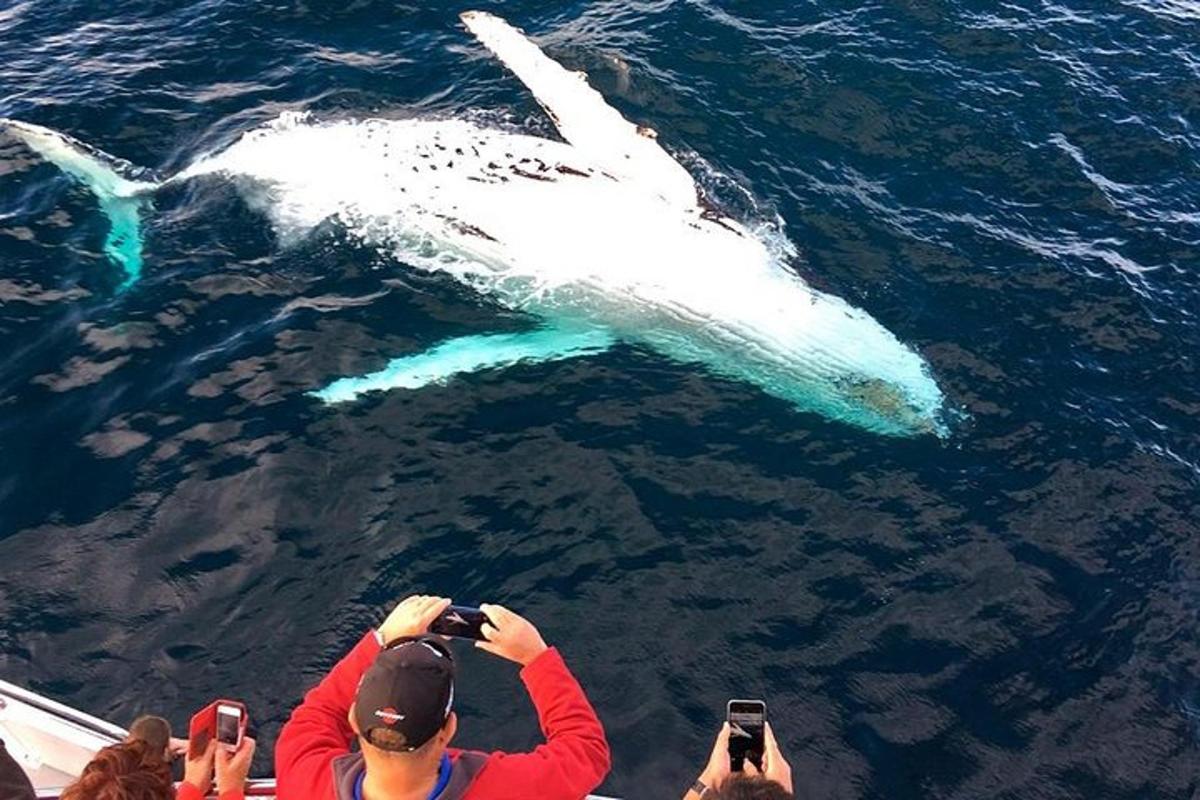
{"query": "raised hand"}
pixel 412 617
pixel 717 769
pixel 176 747
pixel 198 769
pixel 510 636
pixel 232 768
pixel 775 766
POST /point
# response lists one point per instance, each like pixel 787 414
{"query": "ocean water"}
pixel 1012 189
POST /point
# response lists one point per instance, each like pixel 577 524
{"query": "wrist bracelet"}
pixel 700 789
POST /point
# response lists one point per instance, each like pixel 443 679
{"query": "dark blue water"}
pixel 1014 189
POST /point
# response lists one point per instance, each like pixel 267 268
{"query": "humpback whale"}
pixel 601 237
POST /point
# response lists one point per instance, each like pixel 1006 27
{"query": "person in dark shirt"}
pixel 14 783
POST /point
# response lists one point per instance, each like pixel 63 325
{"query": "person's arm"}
pixel 185 791
pixel 775 766
pixel 197 773
pixel 575 757
pixel 715 771
pixel 319 729
pixel 233 768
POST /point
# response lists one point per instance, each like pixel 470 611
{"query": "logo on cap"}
pixel 389 715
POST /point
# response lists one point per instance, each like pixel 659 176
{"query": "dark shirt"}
pixel 14 785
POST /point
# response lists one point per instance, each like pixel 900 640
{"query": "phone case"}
pixel 202 729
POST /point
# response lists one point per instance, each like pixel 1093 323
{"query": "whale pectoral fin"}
pixel 582 116
pixel 471 354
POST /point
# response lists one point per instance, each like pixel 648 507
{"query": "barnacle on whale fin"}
pixel 889 401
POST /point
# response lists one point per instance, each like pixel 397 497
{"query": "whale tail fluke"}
pixel 120 198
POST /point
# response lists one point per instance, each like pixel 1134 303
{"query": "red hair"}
pixel 128 771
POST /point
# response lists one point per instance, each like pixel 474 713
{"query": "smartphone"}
pixel 462 622
pixel 231 722
pixel 747 720
pixel 224 720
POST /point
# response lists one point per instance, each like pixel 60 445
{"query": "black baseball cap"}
pixel 408 690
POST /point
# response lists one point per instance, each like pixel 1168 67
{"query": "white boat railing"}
pixel 53 742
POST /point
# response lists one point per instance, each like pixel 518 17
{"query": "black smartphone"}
pixel 462 622
pixel 747 720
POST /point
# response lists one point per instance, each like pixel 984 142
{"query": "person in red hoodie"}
pixel 394 694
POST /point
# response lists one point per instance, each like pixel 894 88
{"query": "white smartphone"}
pixel 229 726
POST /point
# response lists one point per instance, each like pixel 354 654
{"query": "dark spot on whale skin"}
pixel 458 151
pixel 535 176
pixel 712 215
pixel 415 168
pixel 565 170
pixel 449 165
pixel 473 231
pixel 473 150
pixel 470 230
pixel 525 160
pixel 493 165
pixel 439 146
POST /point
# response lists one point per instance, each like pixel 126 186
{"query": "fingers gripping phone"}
pixel 747 720
pixel 463 622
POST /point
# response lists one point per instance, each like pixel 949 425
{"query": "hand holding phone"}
pixel 717 769
pixel 412 616
pixel 775 766
pixel 510 636
pixel 462 622
pixel 223 720
pixel 747 720
pixel 232 767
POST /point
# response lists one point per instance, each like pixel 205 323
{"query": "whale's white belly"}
pixel 510 205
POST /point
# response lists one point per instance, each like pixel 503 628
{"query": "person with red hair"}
pixel 132 770
pixel 138 770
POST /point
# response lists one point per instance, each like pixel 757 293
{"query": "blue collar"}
pixel 444 769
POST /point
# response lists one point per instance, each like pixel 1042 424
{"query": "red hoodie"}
pixel 185 791
pixel 570 764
